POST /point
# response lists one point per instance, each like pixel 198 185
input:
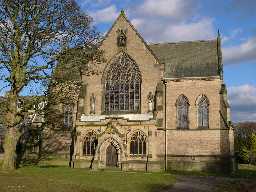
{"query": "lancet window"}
pixel 68 115
pixel 182 106
pixel 122 86
pixel 203 112
pixel 1 144
pixel 138 144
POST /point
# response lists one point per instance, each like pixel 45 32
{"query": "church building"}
pixel 154 107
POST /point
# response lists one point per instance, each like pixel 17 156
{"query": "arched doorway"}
pixel 111 156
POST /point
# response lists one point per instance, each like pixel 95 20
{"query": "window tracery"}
pixel 138 144
pixel 122 86
pixel 182 106
pixel 203 112
pixel 90 144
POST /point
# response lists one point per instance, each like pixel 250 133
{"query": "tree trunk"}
pixel 10 142
pixel 12 133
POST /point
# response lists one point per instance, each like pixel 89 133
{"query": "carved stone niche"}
pixel 121 37
pixel 159 97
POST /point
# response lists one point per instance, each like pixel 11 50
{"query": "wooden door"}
pixel 112 157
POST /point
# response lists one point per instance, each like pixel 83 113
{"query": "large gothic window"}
pixel 182 106
pixel 122 85
pixel 203 112
pixel 138 144
pixel 90 144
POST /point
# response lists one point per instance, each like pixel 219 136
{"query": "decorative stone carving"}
pixel 150 102
pixel 121 37
pixel 109 129
pixel 92 103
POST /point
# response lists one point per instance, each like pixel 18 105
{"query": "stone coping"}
pixel 129 117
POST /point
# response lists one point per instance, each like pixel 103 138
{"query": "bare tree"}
pixel 32 34
pixel 64 91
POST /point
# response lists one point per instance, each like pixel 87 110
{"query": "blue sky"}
pixel 185 20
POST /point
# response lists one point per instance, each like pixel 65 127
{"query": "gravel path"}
pixel 211 184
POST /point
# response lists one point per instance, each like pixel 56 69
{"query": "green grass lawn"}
pixel 52 178
pixel 64 179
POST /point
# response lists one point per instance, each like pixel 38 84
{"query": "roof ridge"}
pixel 181 42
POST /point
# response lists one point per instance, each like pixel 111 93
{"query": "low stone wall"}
pixel 220 164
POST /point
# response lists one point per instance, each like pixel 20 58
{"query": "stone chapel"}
pixel 155 107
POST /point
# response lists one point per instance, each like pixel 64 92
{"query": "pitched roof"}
pixel 188 59
pixel 123 15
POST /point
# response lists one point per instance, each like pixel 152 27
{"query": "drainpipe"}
pixel 147 150
pixel 165 128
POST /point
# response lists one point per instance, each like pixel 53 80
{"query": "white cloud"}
pixel 234 34
pixel 244 52
pixel 160 20
pixel 137 22
pixel 170 32
pixel 243 102
pixel 202 29
pixel 168 8
pixel 104 15
pixel 171 20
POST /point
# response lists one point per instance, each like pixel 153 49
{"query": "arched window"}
pixel 203 112
pixel 122 85
pixel 68 115
pixel 1 144
pixel 138 144
pixel 90 144
pixel 182 106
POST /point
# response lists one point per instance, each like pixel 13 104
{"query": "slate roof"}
pixel 189 59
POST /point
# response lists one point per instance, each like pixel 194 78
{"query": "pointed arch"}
pixel 138 144
pixel 90 143
pixel 202 111
pixel 68 115
pixel 182 109
pixel 122 83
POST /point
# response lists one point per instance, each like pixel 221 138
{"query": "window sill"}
pixel 202 128
pixel 182 128
pixel 138 156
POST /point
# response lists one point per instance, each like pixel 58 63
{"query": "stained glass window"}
pixel 90 144
pixel 203 112
pixel 182 106
pixel 138 144
pixel 122 85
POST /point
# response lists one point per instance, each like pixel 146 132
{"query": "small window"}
pixel 68 116
pixel 1 144
pixel 90 144
pixel 138 144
